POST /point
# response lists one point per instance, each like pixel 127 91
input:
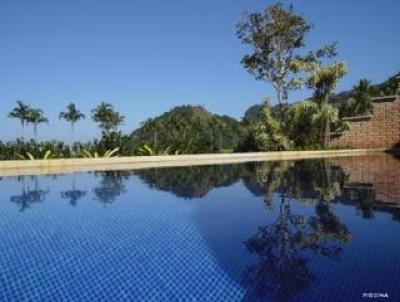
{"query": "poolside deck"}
pixel 59 166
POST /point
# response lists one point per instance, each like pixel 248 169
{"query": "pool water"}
pixel 311 230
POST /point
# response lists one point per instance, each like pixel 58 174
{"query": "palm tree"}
pixel 36 117
pixel 362 97
pixel 322 119
pixel 323 80
pixel 107 118
pixel 20 112
pixel 71 115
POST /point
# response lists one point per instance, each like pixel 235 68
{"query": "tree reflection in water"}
pixel 282 268
pixel 190 182
pixel 283 247
pixel 111 186
pixel 74 194
pixel 265 178
pixel 29 195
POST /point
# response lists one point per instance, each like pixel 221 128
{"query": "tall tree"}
pixel 35 117
pixel 323 79
pixel 71 115
pixel 274 35
pixel 20 112
pixel 107 118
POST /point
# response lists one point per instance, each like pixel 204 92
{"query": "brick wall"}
pixel 381 130
pixel 382 172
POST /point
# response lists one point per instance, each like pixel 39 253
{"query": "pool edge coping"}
pixel 60 166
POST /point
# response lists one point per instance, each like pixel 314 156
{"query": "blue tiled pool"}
pixel 314 230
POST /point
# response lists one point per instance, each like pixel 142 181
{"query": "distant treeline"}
pixel 184 129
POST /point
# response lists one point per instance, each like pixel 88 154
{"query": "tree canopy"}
pixel 71 114
pixel 36 116
pixel 274 36
pixel 107 118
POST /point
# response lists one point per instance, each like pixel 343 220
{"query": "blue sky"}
pixel 147 56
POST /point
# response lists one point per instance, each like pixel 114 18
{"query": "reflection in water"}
pixel 363 195
pixel 265 178
pixel 73 195
pixel 282 269
pixel 328 231
pixel 111 186
pixel 272 244
pixel 372 184
pixel 308 181
pixel 282 264
pixel 29 195
pixel 190 182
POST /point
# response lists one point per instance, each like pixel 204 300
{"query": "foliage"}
pixel 192 129
pixel 107 118
pixel 148 150
pixel 189 129
pixel 277 35
pixel 71 115
pixel 19 150
pixel 95 154
pixel 323 120
pixel 300 126
pixel 360 102
pixel 307 119
pixel 47 155
pixel 323 80
pixel 266 134
pixel 253 113
pixel 274 35
pixel 362 98
pixel 112 140
pixel 345 100
pixel 20 112
pixel 277 38
pixel 36 116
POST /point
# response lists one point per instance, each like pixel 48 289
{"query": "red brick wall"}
pixel 380 171
pixel 382 130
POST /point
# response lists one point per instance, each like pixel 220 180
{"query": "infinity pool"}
pixel 313 230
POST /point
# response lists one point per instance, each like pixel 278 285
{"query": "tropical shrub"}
pixel 47 155
pixel 19 150
pixel 148 150
pixel 95 154
pixel 300 126
pixel 266 134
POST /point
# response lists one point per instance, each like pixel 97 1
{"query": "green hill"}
pixel 252 114
pixel 189 128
